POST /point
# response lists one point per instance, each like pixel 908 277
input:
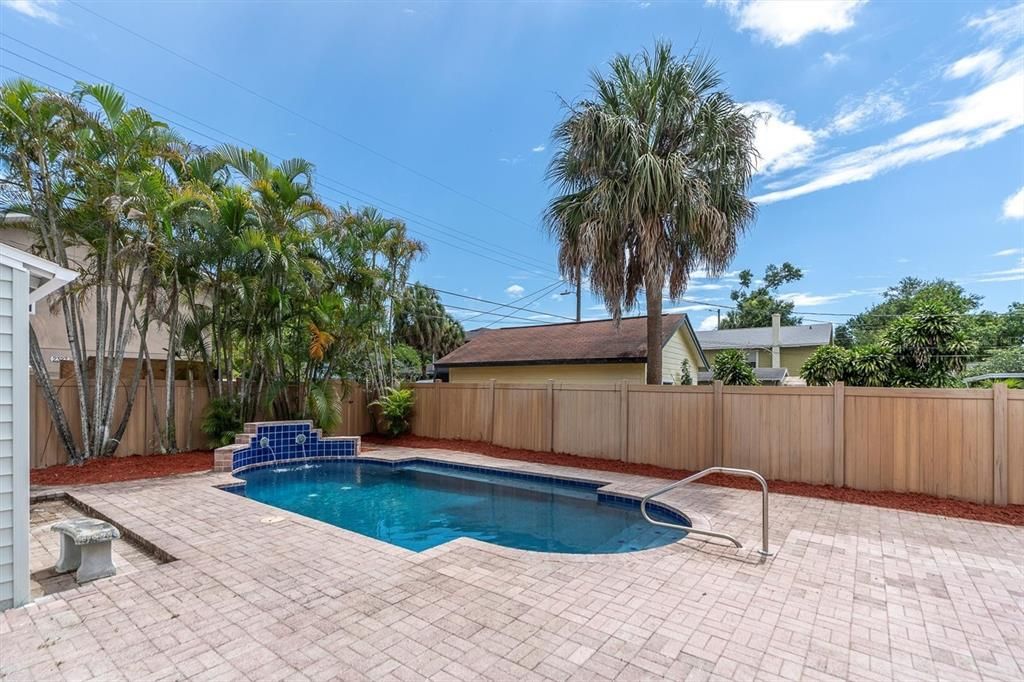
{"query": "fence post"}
pixel 624 421
pixel 436 395
pixel 551 415
pixel 1000 426
pixel 717 423
pixel 838 434
pixel 490 423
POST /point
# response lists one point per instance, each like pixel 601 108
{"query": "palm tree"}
pixel 423 323
pixel 652 173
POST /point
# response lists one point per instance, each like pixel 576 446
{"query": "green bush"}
pixel 395 410
pixel 731 368
pixel 685 376
pixel 827 365
pixel 221 421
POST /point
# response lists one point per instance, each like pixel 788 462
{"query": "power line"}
pixel 505 305
pixel 450 293
pixel 302 116
pixel 502 251
pixel 535 298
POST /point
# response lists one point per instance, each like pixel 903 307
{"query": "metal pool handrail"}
pixel 764 551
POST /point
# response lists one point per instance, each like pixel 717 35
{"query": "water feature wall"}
pixel 263 443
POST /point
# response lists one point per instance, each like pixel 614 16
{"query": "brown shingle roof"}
pixel 571 342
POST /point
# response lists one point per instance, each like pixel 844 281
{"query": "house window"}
pixel 751 357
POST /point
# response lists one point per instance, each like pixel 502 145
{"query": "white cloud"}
pixel 902 259
pixel 984 62
pixel 834 58
pixel 1013 207
pixel 511 160
pixel 1008 252
pixel 875 106
pixel 709 323
pixel 672 310
pixel 538 148
pixel 408 10
pixel 1007 22
pixel 1009 275
pixel 780 141
pixel 515 291
pixel 37 9
pixel 970 121
pixel 787 22
pixel 802 300
pixel 988 112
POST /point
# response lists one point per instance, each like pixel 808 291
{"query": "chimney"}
pixel 776 333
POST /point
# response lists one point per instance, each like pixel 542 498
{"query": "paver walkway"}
pixel 853 592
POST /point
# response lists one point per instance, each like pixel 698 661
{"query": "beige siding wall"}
pixel 790 358
pixel 577 374
pixel 680 347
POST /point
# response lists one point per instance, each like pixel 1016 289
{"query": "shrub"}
pixel 731 368
pixel 827 365
pixel 874 365
pixel 685 376
pixel 221 421
pixel 395 410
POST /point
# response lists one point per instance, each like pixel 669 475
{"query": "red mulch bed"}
pixel 111 469
pixel 1011 514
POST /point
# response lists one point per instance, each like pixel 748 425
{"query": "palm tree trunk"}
pixel 653 294
pixel 129 404
pixel 57 413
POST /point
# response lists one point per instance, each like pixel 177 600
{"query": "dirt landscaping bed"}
pixel 134 467
pixel 1011 514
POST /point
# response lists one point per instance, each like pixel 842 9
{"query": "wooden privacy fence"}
pixel 961 443
pixel 140 435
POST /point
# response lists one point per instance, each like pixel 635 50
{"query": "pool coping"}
pixel 697 520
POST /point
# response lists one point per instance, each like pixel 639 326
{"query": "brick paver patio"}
pixel 853 592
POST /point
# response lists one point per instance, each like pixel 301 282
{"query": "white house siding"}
pixel 679 348
pixel 14 285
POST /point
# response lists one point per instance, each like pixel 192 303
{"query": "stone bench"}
pixel 85 547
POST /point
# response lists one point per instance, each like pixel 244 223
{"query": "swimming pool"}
pixel 421 504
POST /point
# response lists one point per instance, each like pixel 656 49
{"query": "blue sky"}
pixel 892 137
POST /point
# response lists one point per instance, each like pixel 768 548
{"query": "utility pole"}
pixel 719 325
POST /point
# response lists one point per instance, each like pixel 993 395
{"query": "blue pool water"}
pixel 421 505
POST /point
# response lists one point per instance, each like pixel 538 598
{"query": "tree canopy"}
pixel 755 305
pixel 268 294
pixel 651 171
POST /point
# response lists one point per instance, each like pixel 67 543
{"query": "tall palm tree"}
pixel 652 172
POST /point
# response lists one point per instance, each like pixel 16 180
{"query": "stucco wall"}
pixel 13 436
pixel 580 374
pixel 48 322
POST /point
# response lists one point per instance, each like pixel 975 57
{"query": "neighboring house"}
pixel 769 348
pixel 49 323
pixel 579 352
pixel 768 376
pixel 24 281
